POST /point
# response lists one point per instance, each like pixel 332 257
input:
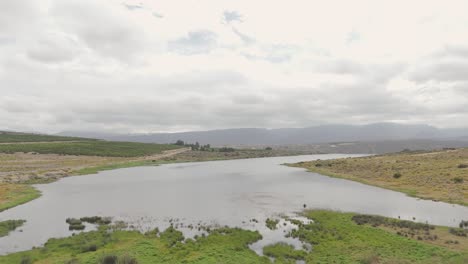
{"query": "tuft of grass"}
pixel 283 252
pixel 272 224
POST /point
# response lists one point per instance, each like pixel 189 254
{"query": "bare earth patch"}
pixel 22 167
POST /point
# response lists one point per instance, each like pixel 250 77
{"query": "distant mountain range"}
pixel 291 136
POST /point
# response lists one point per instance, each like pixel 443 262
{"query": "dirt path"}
pixel 164 154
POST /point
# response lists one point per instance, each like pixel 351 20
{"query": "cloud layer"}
pixel 178 65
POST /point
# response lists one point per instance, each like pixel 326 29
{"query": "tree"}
pixel 180 143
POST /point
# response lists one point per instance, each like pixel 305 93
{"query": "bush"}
pixel 397 175
pixel 463 224
pixel 109 259
pixel 225 149
pixel 26 260
pixel 89 248
pixel 171 236
pixel 458 179
pixel 463 166
pixel 458 232
pixel 271 223
pixel 126 259
pixel 113 259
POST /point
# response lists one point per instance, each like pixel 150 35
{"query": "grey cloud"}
pixel 449 64
pixel 380 73
pixel 339 66
pixel 195 42
pixel 232 16
pixel 54 49
pixel 157 15
pixel 443 71
pixel 353 36
pixel 101 29
pixel 245 38
pixel 273 54
pixel 133 7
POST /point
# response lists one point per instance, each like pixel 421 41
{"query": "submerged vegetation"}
pixel 438 175
pixel 335 238
pixel 224 245
pixel 9 225
pixel 272 224
pixel 78 224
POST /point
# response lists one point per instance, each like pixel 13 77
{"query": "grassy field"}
pixel 222 246
pixel 336 238
pixel 11 137
pixel 89 148
pixel 9 225
pixel 439 175
pixel 12 195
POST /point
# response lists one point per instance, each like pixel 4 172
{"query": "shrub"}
pixel 171 236
pixel 89 248
pixel 397 175
pixel 458 179
pixel 109 259
pixel 463 166
pixel 271 223
pixel 126 259
pixel 458 232
pixel 463 224
pixel 26 260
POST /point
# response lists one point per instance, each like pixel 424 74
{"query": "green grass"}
pixel 9 225
pixel 12 195
pixel 90 148
pixel 272 224
pixel 221 246
pixel 335 236
pixel 284 253
pixel 12 137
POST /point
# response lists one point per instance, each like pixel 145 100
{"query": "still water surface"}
pixel 212 193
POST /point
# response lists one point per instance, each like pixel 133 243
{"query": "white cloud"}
pixel 179 65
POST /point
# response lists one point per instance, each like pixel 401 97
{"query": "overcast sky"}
pixel 177 65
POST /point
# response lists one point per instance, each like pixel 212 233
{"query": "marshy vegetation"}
pixel 437 175
pixel 78 224
pixel 336 238
pixel 284 253
pixel 9 225
pixel 272 224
